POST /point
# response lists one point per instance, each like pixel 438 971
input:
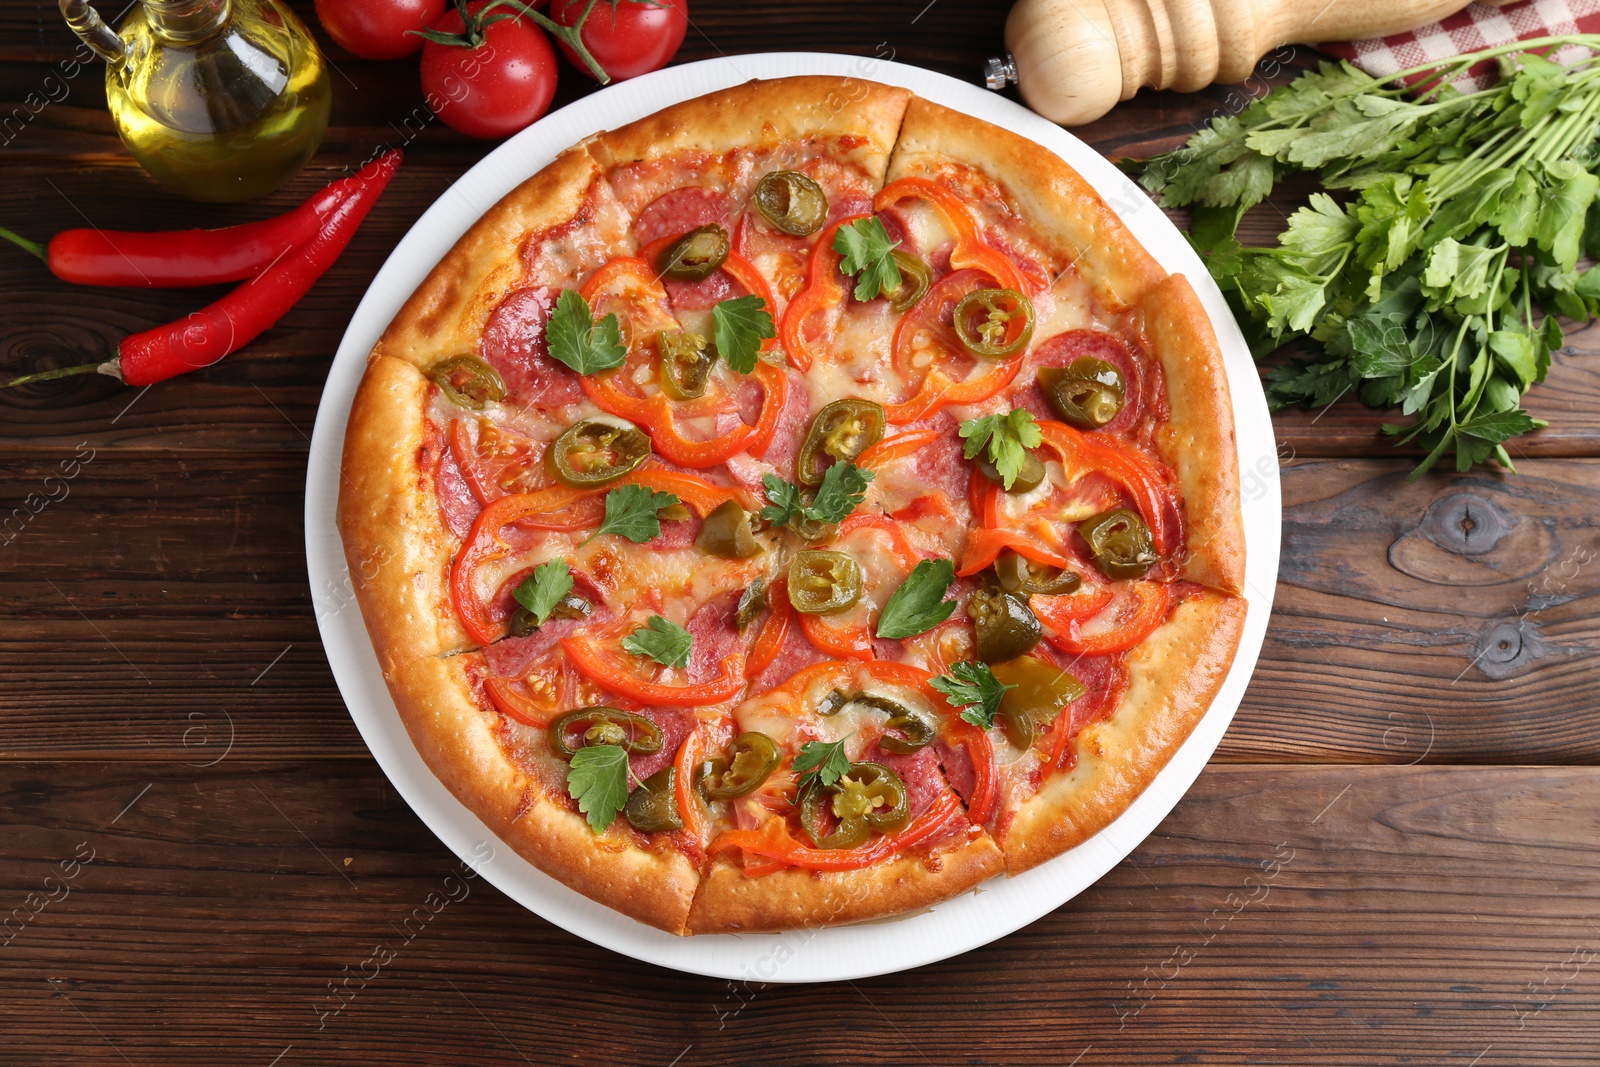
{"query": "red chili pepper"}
pixel 178 259
pixel 219 329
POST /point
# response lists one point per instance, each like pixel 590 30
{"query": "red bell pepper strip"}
pixel 213 332
pixel 984 546
pixel 177 259
pixel 985 785
pixel 1142 478
pixel 822 292
pixel 1154 600
pixel 735 266
pixel 554 508
pixel 689 811
pixel 937 389
pixel 658 415
pixel 970 250
pixel 775 841
pixel 770 640
pixel 619 677
pixel 900 446
pixel 1062 608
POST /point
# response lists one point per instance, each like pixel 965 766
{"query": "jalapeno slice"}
pixel 572 606
pixel 841 431
pixel 915 278
pixel 993 323
pixel 868 797
pixel 686 363
pixel 833 703
pixel 1087 393
pixel 916 730
pixel 1006 627
pixel 468 381
pixel 601 725
pixel 752 602
pixel 1121 543
pixel 812 531
pixel 596 451
pixel 822 582
pixel 1041 690
pixel 726 533
pixel 696 255
pixel 653 806
pixel 791 202
pixel 1027 479
pixel 750 762
pixel 1019 574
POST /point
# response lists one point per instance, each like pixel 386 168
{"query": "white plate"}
pixel 973 919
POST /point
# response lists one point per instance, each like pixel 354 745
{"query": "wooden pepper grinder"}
pixel 1074 59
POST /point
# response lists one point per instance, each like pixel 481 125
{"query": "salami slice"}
pixel 680 211
pixel 514 344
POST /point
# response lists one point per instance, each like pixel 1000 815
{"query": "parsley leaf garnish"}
pixel 868 254
pixel 577 340
pixel 598 781
pixel 919 604
pixel 632 511
pixel 844 486
pixel 662 640
pixel 819 763
pixel 545 588
pixel 739 326
pixel 1007 437
pixel 786 505
pixel 974 687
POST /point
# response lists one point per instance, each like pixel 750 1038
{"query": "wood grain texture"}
pixel 1317 915
pixel 165 704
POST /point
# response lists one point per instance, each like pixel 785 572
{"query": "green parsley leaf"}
pixel 844 486
pixel 819 763
pixel 974 687
pixel 919 604
pixel 1007 437
pixel 631 510
pixel 868 254
pixel 577 340
pixel 740 325
pixel 598 781
pixel 542 590
pixel 662 640
pixel 787 504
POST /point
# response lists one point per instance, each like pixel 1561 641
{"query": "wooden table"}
pixel 1391 858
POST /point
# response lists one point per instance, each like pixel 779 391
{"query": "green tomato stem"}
pixel 572 36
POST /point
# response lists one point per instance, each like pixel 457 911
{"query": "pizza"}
pixel 796 507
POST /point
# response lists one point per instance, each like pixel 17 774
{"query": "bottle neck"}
pixel 186 22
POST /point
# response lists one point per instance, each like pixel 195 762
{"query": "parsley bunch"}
pixel 1429 282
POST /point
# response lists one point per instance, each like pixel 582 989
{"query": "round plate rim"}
pixel 995 909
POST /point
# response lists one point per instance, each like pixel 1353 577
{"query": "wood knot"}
pixel 1506 647
pixel 1465 523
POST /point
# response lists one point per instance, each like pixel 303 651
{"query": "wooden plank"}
pixel 1385 646
pixel 1314 915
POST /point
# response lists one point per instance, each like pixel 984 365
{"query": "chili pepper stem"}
pixel 26 245
pixel 109 367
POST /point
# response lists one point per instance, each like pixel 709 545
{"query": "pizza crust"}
pixel 1173 677
pixel 446 315
pixel 790 899
pixel 397 547
pixel 858 120
pixel 1054 202
pixel 1197 439
pixel 457 737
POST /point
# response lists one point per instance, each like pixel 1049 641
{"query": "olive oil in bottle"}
pixel 219 100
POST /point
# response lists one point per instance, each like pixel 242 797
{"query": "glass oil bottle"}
pixel 219 100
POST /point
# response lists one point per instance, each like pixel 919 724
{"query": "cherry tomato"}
pixel 626 38
pixel 493 90
pixel 376 29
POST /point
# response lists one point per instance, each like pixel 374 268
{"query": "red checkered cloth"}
pixel 1474 27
